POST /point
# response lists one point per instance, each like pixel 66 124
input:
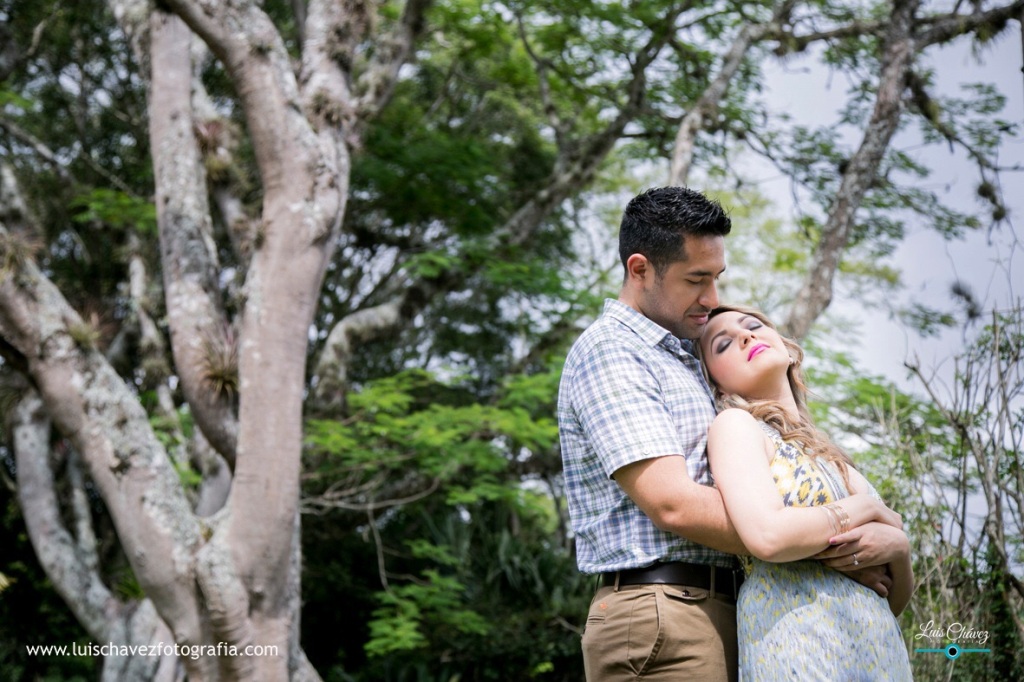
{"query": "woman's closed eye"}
pixel 723 343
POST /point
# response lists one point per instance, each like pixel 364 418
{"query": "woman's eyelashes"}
pixel 724 343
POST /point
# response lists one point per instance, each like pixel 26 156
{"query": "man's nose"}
pixel 709 299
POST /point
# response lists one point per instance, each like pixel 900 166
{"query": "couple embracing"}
pixel 732 539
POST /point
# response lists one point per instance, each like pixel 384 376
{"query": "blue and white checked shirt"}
pixel 630 390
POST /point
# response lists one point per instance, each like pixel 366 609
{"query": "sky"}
pixel 984 261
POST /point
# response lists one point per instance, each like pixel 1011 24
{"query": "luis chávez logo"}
pixel 960 639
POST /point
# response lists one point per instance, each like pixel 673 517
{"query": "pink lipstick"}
pixel 758 347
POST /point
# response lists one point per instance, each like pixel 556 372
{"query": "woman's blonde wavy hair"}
pixel 802 431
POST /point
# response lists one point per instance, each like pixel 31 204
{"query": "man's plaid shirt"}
pixel 630 390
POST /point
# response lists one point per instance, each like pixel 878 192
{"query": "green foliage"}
pixel 115 209
pixel 437 600
pixel 126 585
pixel 31 612
pixel 13 99
pixel 190 478
pixel 768 257
pixel 927 321
pixel 430 264
pixel 394 425
pixel 386 433
pixel 492 613
pixel 167 431
pixel 473 556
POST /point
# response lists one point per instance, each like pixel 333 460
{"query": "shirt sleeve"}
pixel 620 402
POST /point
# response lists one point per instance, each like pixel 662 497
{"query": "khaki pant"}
pixel 666 633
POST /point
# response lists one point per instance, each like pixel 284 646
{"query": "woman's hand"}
pixel 872 544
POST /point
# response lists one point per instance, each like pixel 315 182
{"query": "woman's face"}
pixel 744 356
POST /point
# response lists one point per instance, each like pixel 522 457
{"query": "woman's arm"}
pixel 738 452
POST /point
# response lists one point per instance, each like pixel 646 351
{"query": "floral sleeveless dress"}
pixel 803 621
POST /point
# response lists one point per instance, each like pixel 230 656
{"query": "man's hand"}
pixel 873 544
pixel 876 578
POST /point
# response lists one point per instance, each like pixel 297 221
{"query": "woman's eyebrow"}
pixel 712 339
pixel 723 331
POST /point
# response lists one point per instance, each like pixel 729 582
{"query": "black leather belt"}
pixel 727 581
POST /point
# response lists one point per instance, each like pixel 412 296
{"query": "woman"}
pixel 793 495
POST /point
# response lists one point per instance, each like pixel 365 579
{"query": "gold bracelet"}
pixel 841 516
pixel 833 522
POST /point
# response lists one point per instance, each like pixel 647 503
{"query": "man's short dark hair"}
pixel 656 222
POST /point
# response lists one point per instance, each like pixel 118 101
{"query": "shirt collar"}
pixel 647 329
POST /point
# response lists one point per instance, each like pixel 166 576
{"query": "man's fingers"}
pixel 875 578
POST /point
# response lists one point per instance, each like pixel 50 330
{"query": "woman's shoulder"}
pixel 735 416
pixel 734 419
pixel 734 426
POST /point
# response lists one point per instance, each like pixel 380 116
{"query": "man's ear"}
pixel 638 269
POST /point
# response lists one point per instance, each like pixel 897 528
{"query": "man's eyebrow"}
pixel 704 273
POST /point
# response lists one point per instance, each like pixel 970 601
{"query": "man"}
pixel 633 416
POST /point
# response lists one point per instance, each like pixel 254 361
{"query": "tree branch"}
pixel 898 50
pixel 392 50
pixel 71 568
pixel 706 106
pixel 102 418
pixel 200 337
pixel 942 29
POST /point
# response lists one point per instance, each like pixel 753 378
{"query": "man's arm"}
pixel 664 491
